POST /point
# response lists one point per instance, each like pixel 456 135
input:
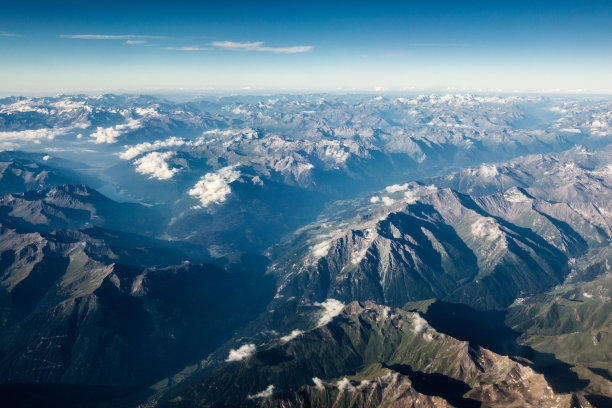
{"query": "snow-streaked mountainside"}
pixel 313 250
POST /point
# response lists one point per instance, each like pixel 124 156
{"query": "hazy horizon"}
pixel 70 47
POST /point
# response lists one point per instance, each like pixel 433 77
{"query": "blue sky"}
pixel 78 46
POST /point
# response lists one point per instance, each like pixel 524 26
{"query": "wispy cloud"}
pixel 188 48
pixel 110 37
pixel 7 34
pixel 136 42
pixel 259 46
pixel 437 45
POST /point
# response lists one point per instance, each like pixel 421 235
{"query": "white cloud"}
pixel 46 157
pixel 486 228
pixel 215 187
pixel 131 152
pixel 263 394
pixel 259 46
pixel 156 166
pixel 345 385
pixel 188 48
pixel 374 199
pixel 388 201
pixel 332 308
pixel 243 352
pixel 295 333
pixel 105 135
pixel 318 383
pixel 395 188
pixel 7 34
pixel 321 249
pixel 135 42
pixel 418 323
pixel 32 135
pixel 110 135
pixel 109 37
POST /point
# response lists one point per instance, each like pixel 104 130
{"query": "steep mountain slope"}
pixel 368 356
pixel 106 307
pixel 77 206
pixel 443 246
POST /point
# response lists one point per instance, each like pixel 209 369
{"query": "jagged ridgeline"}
pixel 316 250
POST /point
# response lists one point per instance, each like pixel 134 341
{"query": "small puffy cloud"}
pixel 331 309
pixel 345 385
pixel 321 249
pixel 295 333
pixel 259 46
pixel 263 394
pixel 110 135
pixel 388 201
pixel 155 165
pixel 395 188
pixel 105 135
pixel 241 353
pixel 46 157
pixel 374 199
pixel 131 152
pixel 486 228
pixel 318 383
pixel 213 188
pixel 418 323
